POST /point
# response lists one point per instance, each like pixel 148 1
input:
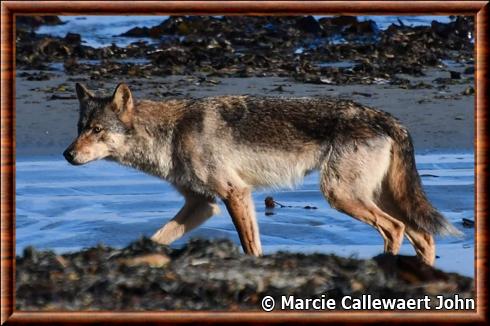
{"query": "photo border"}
pixel 9 9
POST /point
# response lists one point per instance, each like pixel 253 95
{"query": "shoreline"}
pixel 447 264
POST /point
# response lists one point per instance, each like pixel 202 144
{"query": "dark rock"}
pixel 73 38
pixel 365 27
pixel 245 46
pixel 362 94
pixel 410 269
pixel 343 21
pixel 455 74
pixel 54 48
pixel 137 32
pixel 36 21
pixel 467 223
pixel 214 275
pixel 269 202
pixel 310 207
pixel 37 76
pixel 278 89
pixel 309 24
pixel 442 80
pixel 469 70
pixel 62 97
pixel 441 29
pixel 30 253
pixel 458 28
pixel 469 91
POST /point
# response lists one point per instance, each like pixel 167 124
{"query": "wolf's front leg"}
pixel 197 209
pixel 240 205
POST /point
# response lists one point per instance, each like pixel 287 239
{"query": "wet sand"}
pixel 440 120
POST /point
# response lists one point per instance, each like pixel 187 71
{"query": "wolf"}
pixel 224 147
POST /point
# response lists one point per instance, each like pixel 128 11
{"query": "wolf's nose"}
pixel 69 155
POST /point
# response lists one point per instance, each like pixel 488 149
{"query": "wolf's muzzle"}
pixel 69 155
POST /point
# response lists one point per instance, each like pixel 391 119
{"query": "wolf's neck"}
pixel 149 149
pixel 147 154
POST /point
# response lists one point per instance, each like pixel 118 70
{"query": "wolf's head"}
pixel 103 125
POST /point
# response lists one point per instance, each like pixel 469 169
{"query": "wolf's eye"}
pixel 97 129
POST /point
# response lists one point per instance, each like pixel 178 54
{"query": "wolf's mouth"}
pixel 70 157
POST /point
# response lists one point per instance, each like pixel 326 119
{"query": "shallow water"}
pixel 65 208
pixel 98 31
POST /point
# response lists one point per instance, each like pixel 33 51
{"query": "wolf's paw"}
pixel 158 237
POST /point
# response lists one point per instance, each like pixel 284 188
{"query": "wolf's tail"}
pixel 405 185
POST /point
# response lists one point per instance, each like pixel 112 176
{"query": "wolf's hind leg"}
pixel 196 210
pixel 240 205
pixel 390 228
pixel 351 177
pixel 423 243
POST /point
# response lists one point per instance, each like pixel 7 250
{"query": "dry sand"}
pixel 439 120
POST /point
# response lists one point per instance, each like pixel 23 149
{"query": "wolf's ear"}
pixel 83 93
pixel 123 106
